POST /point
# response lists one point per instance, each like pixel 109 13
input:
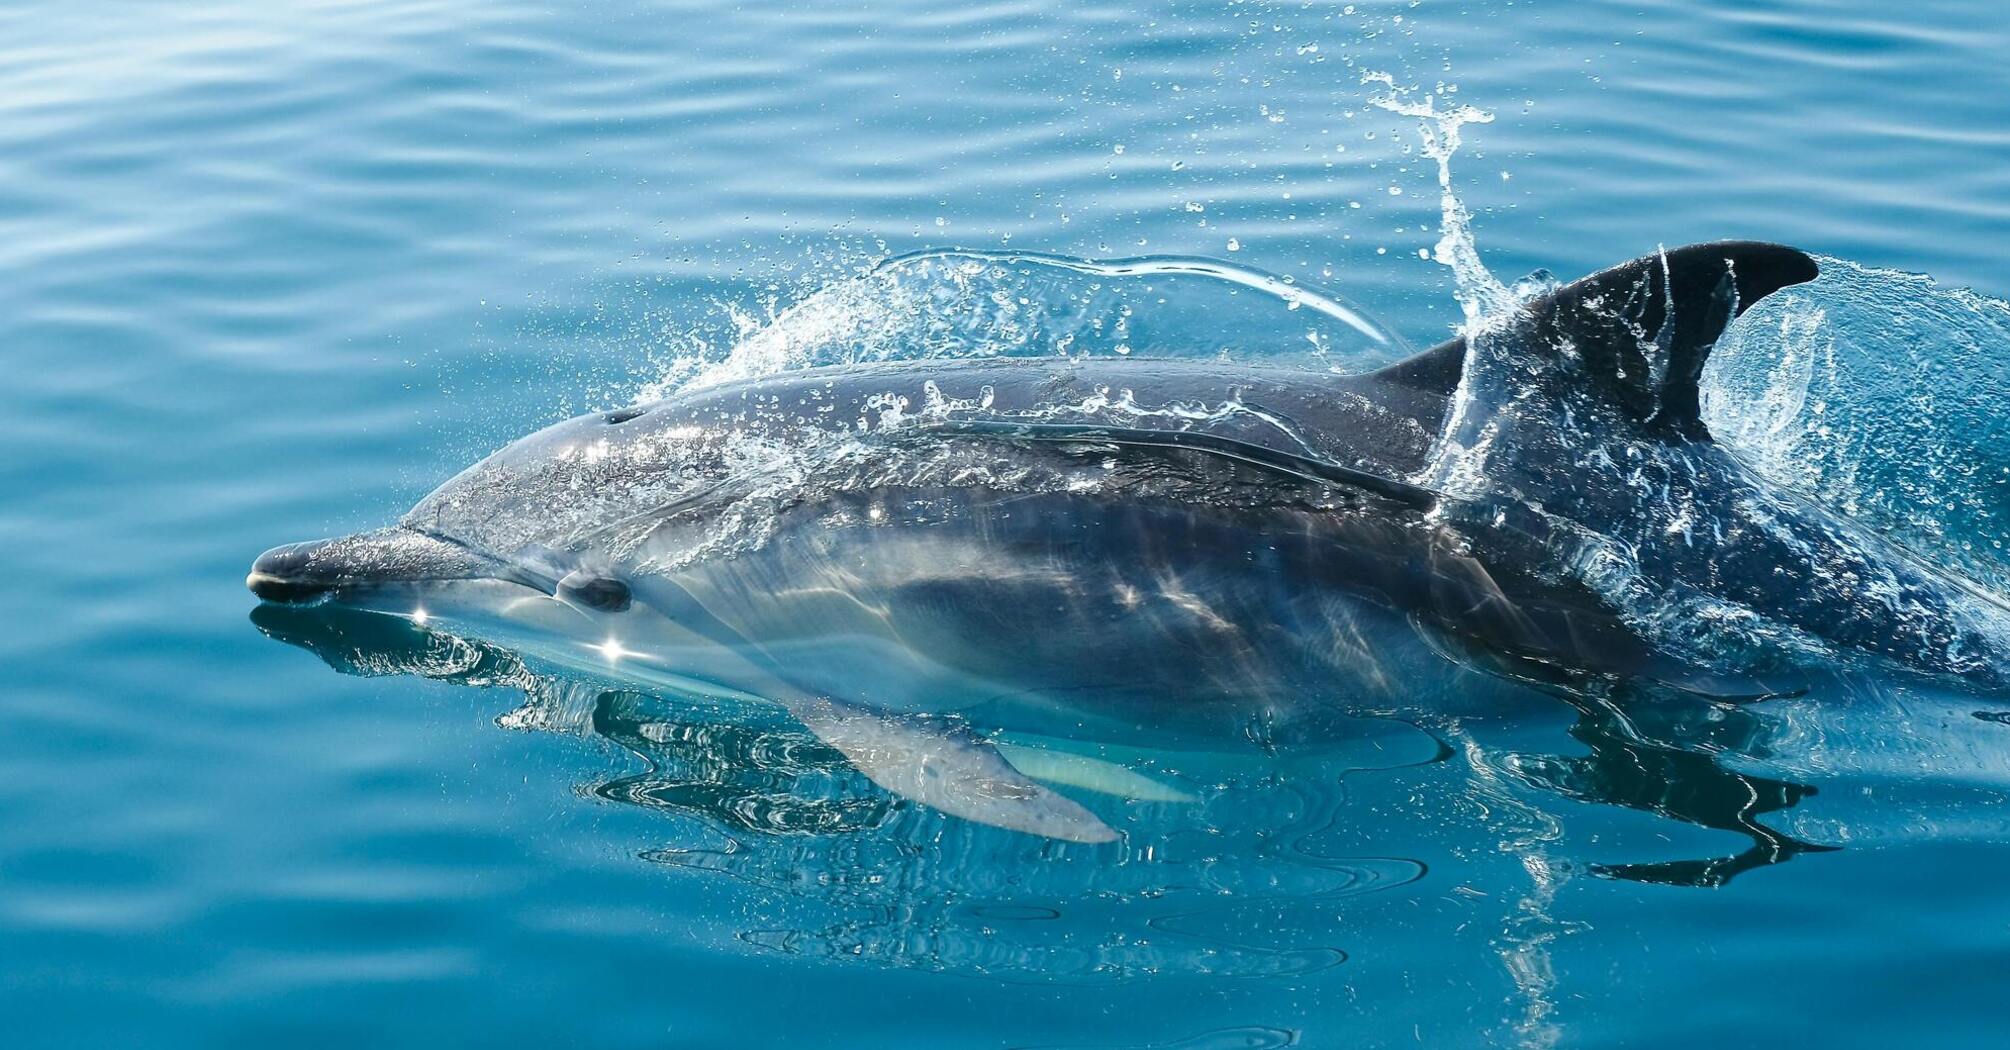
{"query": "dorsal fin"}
pixel 1619 323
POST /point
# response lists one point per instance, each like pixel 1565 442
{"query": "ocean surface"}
pixel 274 271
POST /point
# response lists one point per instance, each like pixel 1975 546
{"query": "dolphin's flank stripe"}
pixel 1229 448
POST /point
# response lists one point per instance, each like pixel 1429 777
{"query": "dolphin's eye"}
pixel 595 592
pixel 621 415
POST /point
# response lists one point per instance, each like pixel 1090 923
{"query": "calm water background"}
pixel 272 271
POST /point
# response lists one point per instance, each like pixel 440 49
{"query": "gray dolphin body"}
pixel 1081 548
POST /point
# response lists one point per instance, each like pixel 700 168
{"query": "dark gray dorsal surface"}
pixel 1642 330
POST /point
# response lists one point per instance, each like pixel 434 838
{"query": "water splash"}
pixel 1880 395
pixel 1475 424
pixel 1482 296
pixel 952 304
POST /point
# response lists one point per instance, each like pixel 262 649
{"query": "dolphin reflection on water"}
pixel 755 779
pixel 977 581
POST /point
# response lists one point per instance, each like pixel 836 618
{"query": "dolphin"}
pixel 916 558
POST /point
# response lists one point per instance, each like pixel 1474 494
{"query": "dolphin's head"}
pixel 512 549
pixel 406 571
pixel 533 602
pixel 523 517
pixel 515 551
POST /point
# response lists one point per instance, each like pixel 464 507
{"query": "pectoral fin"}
pixel 948 769
pixel 1104 777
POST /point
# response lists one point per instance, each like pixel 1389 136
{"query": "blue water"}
pixel 273 271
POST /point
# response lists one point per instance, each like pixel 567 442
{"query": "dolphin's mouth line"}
pixel 282 590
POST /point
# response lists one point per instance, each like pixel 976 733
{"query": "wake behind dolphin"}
pixel 915 557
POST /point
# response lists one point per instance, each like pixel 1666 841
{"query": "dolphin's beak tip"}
pixel 280 574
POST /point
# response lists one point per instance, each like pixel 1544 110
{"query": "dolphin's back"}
pixel 599 476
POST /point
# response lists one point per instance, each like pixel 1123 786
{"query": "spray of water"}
pixel 1482 296
pixel 1481 407
pixel 955 304
pixel 1880 395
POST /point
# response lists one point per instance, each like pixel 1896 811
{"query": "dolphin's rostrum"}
pixel 912 556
